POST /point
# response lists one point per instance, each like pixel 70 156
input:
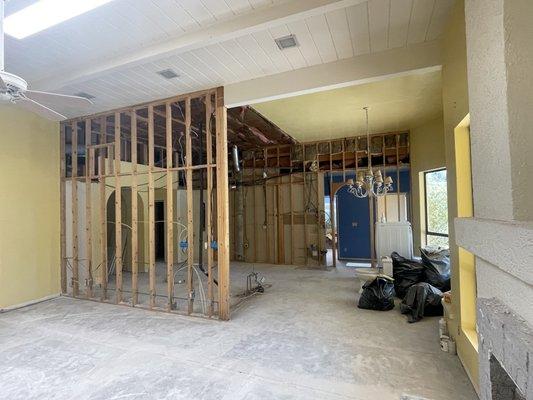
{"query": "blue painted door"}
pixel 353 215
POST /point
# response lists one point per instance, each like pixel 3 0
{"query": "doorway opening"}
pixel 159 230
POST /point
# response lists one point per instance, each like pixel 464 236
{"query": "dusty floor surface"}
pixel 303 339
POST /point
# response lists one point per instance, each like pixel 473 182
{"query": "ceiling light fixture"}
pixel 286 42
pixel 45 14
pixel 168 73
pixel 369 183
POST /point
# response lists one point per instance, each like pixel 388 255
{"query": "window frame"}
pixel 427 231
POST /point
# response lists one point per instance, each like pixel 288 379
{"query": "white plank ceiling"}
pixel 123 26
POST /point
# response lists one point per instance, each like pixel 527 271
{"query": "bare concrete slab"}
pixel 303 339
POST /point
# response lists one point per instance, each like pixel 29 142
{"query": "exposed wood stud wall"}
pixel 106 166
pixel 344 156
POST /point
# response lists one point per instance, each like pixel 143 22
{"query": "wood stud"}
pixel 134 213
pixel 103 213
pixel 222 206
pixel 169 210
pixel 209 204
pixel 151 206
pixel 62 199
pixel 190 205
pixel 74 189
pixel 88 200
pixel 118 213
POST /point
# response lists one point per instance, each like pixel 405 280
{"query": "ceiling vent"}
pixel 286 42
pixel 86 95
pixel 168 73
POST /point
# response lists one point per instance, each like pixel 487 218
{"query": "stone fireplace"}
pixel 505 353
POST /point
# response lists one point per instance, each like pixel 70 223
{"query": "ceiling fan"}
pixel 14 89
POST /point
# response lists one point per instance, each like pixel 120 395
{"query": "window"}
pixel 436 208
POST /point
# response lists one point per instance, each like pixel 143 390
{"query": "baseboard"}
pixel 29 303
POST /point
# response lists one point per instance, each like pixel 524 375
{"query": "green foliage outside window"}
pixel 436 208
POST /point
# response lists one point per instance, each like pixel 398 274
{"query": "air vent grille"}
pixel 168 73
pixel 286 42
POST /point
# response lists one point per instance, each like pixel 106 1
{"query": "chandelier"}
pixel 369 183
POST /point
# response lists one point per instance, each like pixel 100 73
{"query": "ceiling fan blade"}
pixel 58 99
pixel 39 109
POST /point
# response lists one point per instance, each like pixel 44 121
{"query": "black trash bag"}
pixel 437 265
pixel 421 300
pixel 406 273
pixel 378 294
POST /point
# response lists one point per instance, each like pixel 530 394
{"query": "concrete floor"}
pixel 303 339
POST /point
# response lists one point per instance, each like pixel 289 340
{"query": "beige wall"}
pixel 455 108
pixel 29 207
pixel 427 152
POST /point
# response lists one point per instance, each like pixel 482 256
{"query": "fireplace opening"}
pixel 503 387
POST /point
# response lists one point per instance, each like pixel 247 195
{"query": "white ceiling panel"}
pixel 340 32
pixel 115 31
pixel 400 14
pixel 239 6
pixel 420 20
pixel 321 35
pixel 378 15
pixel 358 24
pixel 269 46
pixel 438 20
pixel 307 53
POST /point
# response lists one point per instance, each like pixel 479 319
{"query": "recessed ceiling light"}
pixel 86 95
pixel 168 73
pixel 286 42
pixel 46 13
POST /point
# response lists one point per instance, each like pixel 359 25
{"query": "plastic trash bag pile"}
pixel 420 285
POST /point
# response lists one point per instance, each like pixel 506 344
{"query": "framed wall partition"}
pixel 116 166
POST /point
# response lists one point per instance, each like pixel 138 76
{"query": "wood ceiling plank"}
pixel 420 19
pixel 358 24
pixel 320 32
pixel 378 18
pixel 400 14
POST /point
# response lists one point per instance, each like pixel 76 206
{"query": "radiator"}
pixel 394 236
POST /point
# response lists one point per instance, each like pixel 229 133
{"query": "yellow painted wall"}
pixel 395 104
pixel 455 109
pixel 427 152
pixel 29 207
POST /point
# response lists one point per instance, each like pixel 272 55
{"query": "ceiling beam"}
pixel 418 58
pixel 257 20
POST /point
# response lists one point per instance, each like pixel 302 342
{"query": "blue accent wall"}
pixel 353 216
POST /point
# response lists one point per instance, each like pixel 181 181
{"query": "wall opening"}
pixel 436 208
pixel 465 209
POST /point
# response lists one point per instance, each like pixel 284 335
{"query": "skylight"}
pixel 46 13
